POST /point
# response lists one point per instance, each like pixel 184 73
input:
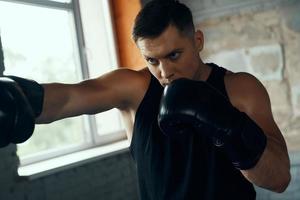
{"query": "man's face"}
pixel 172 55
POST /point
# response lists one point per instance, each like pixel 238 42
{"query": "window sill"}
pixel 51 166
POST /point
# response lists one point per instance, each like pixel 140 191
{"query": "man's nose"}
pixel 166 71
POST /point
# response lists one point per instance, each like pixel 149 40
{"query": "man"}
pixel 209 135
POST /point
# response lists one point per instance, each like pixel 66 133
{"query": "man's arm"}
pixel 112 90
pixel 25 102
pixel 248 95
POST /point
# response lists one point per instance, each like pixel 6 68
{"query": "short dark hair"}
pixel 157 15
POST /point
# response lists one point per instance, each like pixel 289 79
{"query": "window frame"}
pixel 92 137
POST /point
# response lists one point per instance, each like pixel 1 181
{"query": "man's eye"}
pixel 174 55
pixel 151 61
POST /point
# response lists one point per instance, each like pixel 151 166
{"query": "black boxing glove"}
pixel 195 105
pixel 21 102
pixel 7 115
pixel 33 91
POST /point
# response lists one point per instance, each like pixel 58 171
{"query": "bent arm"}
pixel 273 168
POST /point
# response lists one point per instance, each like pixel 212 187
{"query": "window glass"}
pixel 40 43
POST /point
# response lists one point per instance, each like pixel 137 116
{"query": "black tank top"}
pixel 186 166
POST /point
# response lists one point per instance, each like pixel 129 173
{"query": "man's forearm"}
pixel 56 97
pixel 273 169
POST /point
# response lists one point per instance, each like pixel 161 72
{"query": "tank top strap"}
pixel 216 78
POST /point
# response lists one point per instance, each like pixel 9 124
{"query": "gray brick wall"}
pixel 111 178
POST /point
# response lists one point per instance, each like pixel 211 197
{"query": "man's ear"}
pixel 199 40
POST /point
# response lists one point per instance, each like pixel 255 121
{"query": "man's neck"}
pixel 203 72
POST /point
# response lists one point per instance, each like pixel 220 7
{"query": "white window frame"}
pixel 90 38
pixel 94 46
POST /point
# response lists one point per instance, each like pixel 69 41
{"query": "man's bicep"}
pixel 258 107
pixel 87 97
pixel 101 94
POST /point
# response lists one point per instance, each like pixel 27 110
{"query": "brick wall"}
pixel 112 178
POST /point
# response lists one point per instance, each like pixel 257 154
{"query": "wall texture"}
pixel 112 178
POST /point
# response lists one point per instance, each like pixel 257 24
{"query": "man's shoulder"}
pixel 124 78
pixel 240 80
pixel 133 84
pixel 243 88
pixel 129 73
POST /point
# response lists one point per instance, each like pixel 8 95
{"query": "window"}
pixel 61 41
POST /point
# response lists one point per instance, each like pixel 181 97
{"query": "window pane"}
pixel 62 1
pixel 39 43
pixel 109 122
pixel 63 133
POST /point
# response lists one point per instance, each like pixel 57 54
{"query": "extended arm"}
pixel 87 97
pixel 25 102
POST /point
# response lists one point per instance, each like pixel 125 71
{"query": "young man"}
pixel 209 135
